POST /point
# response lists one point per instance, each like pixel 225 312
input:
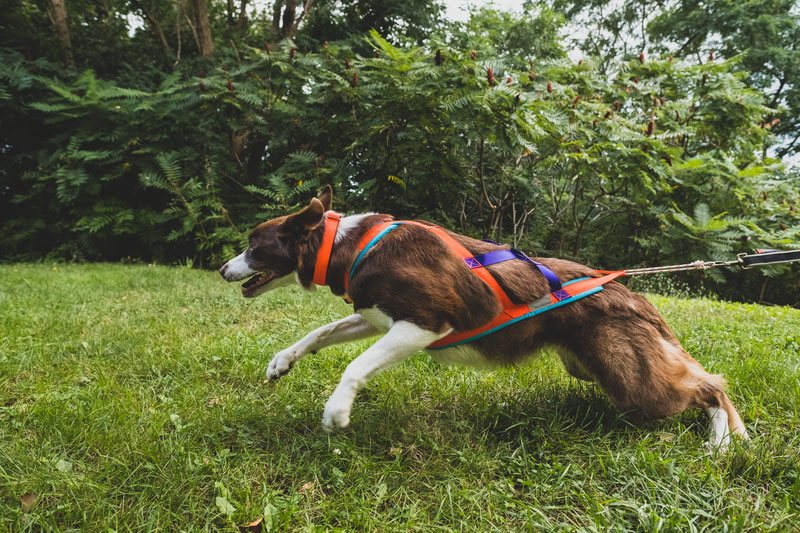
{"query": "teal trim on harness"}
pixel 527 315
pixel 369 245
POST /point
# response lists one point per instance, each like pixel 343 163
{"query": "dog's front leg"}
pixel 402 340
pixel 351 328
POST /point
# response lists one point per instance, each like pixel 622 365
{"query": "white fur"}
pixel 402 340
pixel 351 328
pixel 463 354
pixel 720 435
pixel 377 318
pixel 237 269
pixel 347 223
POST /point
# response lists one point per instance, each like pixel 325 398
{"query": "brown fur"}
pixel 614 337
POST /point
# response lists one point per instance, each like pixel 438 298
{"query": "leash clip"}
pixel 740 257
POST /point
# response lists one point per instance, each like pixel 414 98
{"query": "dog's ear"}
pixel 307 219
pixel 326 197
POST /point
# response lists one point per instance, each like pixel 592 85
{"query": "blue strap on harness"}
pixel 499 256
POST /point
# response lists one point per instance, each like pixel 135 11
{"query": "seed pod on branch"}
pixel 575 102
pixel 641 57
pixel 711 55
pixel 354 81
pixel 225 67
pixel 594 123
pixel 655 101
pixel 580 61
pixel 651 127
pixel 661 99
pixel 291 53
pixel 608 114
pixel 438 58
pixel 636 79
pixel 230 85
pixel 490 76
pixel 549 87
pixel 670 59
pixel 509 81
pixel 266 47
pixel 347 63
pixel 530 75
pixel 705 78
pixel 473 54
pixel 377 54
pixel 616 105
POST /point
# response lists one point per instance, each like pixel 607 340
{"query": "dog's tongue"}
pixel 255 282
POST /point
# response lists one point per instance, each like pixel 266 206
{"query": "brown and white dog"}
pixel 414 290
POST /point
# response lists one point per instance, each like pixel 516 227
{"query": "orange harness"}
pixel 511 313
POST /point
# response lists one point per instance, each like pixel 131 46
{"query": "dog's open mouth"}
pixel 251 286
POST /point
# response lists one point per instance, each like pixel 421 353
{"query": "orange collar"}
pixel 324 254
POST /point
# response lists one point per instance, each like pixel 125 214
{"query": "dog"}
pixel 414 290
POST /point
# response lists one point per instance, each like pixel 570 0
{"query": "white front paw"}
pixel 281 363
pixel 336 416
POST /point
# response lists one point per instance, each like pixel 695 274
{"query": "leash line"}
pixel 745 261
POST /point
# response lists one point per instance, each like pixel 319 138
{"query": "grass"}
pixel 133 399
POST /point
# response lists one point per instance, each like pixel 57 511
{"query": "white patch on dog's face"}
pixel 348 223
pixel 237 268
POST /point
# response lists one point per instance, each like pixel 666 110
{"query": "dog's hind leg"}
pixel 642 367
pixel 402 340
pixel 351 328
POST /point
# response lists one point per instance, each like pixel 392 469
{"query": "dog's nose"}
pixel 222 269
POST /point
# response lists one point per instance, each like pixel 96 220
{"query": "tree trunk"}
pixel 62 30
pixel 203 28
pixel 288 18
pixel 156 26
pixel 241 23
pixel 276 17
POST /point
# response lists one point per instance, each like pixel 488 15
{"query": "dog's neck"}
pixel 348 234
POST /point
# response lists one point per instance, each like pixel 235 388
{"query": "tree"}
pixel 59 17
pixel 203 28
pixel 765 33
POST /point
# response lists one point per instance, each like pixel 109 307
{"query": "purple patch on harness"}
pixel 472 262
pixel 560 294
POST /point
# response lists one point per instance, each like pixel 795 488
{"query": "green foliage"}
pixel 601 162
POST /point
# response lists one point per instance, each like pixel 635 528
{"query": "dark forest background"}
pixel 645 133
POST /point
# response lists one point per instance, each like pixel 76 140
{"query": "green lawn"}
pixel 133 398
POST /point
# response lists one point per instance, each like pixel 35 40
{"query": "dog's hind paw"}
pixel 281 364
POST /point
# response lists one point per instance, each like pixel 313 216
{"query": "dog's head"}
pixel 272 257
